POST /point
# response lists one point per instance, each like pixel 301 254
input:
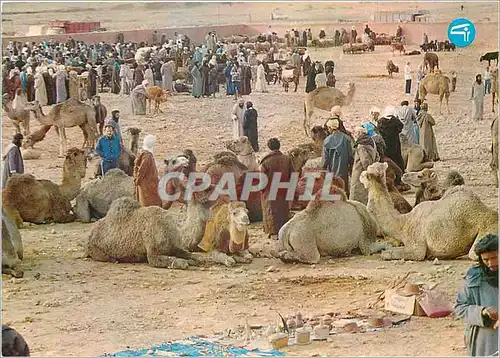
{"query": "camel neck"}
pixel 382 207
pixel 71 183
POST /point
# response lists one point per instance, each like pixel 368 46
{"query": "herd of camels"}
pixel 110 199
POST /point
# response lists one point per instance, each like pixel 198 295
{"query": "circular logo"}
pixel 461 32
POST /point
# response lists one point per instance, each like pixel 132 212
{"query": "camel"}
pixel 244 151
pixel 325 98
pixel 16 111
pixel 158 95
pixel 131 233
pixel 438 84
pixel 494 88
pixel 226 234
pixel 494 150
pixel 127 156
pixel 414 155
pixel 12 247
pixel 318 135
pixel 70 113
pixel 326 228
pixel 391 68
pixel 446 228
pixel 100 112
pixel 37 136
pixel 38 201
pixel 427 183
pixel 96 197
pixel 431 60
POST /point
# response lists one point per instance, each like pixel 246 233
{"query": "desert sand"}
pixel 68 305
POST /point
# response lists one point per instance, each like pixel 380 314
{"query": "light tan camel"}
pixel 27 199
pixel 12 247
pixel 438 84
pixel 70 113
pixel 494 150
pixel 325 228
pixel 414 155
pixel 427 183
pixel 244 151
pixel 447 228
pixel 494 88
pixel 325 98
pixel 35 137
pixel 226 234
pixel 16 111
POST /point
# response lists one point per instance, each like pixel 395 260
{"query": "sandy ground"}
pixel 68 305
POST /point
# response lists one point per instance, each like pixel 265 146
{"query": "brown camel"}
pixel 36 136
pixel 325 98
pixel 27 199
pixel 70 113
pixel 438 84
pixel 134 139
pixel 494 150
pixel 431 60
pixel 16 111
pixel 414 155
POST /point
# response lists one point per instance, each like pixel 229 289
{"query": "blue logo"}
pixel 461 32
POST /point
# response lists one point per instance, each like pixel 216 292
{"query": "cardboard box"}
pixel 402 304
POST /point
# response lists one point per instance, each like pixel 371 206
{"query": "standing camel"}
pixel 438 84
pixel 325 98
pixel 69 114
pixel 16 110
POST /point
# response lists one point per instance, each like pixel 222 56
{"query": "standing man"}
pixel 409 118
pixel 146 174
pixel 108 148
pixel 477 98
pixel 167 75
pixel 250 126
pixel 427 137
pixel 477 300
pixel 407 78
pixel 354 34
pixel 13 160
pixel 337 152
pixel 237 115
pixel 275 211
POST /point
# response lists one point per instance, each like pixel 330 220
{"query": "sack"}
pixel 435 304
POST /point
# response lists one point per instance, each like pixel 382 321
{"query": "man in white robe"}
pixel 237 115
pixel 260 86
pixel 477 98
pixel 167 73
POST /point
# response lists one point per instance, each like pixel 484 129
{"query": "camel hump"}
pixel 123 208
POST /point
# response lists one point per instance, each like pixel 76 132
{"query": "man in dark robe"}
pixel 13 160
pixel 92 84
pixel 138 75
pixel 49 87
pixel 250 126
pixel 204 71
pixel 304 38
pixel 311 79
pixel 30 87
pixel 275 207
pixel 389 127
pixel 246 80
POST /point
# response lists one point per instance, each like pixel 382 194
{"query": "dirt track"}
pixel 65 300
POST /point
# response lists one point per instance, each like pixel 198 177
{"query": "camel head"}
pixel 299 156
pixel 240 146
pixel 34 107
pixel 424 176
pixel 134 132
pixel 176 164
pixel 238 215
pixel 75 162
pixel 374 174
pixel 318 133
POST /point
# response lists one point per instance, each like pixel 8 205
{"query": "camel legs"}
pixel 243 257
pixel 447 97
pixel 168 262
pixel 411 253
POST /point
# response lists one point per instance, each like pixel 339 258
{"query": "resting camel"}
pixel 427 183
pixel 414 155
pixel 37 201
pixel 226 234
pixel 325 98
pixel 494 150
pixel 438 84
pixel 446 228
pixel 328 228
pixel 16 111
pixel 70 113
pixel 243 149
pixel 12 247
